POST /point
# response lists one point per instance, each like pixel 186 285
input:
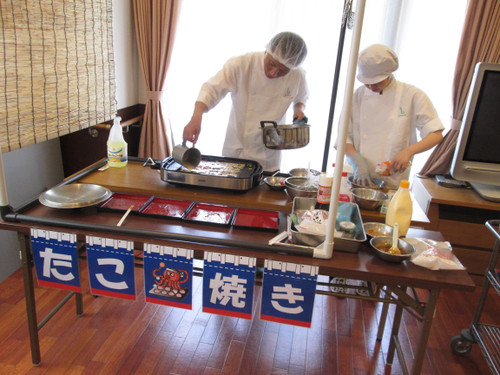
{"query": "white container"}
pixel 117 147
pixel 400 208
pixel 344 191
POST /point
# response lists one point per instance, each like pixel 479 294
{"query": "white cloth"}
pixel 255 98
pixel 382 125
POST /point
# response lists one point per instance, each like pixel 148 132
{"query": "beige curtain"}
pixel 57 70
pixel 480 43
pixel 155 23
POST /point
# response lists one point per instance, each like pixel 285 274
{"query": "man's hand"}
pixel 361 170
pixel 192 130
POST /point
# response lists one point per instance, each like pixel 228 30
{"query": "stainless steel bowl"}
pixel 284 137
pixel 368 199
pixel 275 183
pixel 74 196
pixel 301 187
pixel 377 184
pixel 374 229
pixel 381 244
pixel 303 172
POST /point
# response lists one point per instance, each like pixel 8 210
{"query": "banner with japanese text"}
pixel 56 259
pixel 111 267
pixel 228 282
pixel 168 275
pixel 288 292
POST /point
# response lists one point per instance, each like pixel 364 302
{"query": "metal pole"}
pixel 340 49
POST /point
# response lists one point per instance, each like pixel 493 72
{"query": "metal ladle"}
pixel 185 156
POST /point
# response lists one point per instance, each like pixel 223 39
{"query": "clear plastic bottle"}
pixel 117 147
pixel 400 208
pixel 324 192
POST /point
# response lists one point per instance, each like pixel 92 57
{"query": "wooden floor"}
pixel 122 337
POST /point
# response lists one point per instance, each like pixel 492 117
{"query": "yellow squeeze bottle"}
pixel 117 147
pixel 400 208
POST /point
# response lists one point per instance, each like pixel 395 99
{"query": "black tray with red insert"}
pixel 122 202
pixel 166 207
pixel 215 214
pixel 256 219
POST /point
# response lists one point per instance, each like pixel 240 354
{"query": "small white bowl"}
pixel 374 229
pixel 275 183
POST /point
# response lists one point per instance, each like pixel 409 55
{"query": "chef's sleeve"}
pixel 217 87
pixel 303 89
pixel 426 116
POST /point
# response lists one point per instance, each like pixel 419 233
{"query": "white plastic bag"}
pixel 434 255
pixel 313 222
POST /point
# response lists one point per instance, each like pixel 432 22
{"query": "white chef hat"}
pixel 288 48
pixel 376 63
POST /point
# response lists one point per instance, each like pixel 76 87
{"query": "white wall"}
pixel 31 170
pixel 129 79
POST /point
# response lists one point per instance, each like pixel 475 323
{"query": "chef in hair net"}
pixel 385 117
pixel 263 85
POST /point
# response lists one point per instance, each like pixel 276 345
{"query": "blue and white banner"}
pixel 111 267
pixel 168 275
pixel 288 292
pixel 228 282
pixel 56 259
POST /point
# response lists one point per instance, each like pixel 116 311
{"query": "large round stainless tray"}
pixel 74 196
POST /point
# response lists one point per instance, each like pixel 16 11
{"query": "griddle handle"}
pixel 263 124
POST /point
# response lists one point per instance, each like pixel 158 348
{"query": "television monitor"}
pixel 477 152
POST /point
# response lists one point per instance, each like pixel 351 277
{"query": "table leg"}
pixel 430 309
pixel 29 293
pixel 79 304
pixel 383 318
pixel 394 333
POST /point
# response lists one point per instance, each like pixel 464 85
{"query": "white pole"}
pixel 325 250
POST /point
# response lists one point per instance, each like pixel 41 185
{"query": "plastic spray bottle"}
pixel 117 147
pixel 400 208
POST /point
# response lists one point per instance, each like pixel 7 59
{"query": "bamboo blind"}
pixel 57 72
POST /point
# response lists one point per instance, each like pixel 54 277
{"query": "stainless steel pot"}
pixel 284 137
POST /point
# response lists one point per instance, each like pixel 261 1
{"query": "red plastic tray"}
pixel 210 213
pixel 166 207
pixel 122 202
pixel 251 218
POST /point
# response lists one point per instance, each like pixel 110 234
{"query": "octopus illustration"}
pixel 168 281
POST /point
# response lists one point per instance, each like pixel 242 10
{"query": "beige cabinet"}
pixel 460 215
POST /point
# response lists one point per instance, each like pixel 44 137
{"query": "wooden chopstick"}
pixel 124 216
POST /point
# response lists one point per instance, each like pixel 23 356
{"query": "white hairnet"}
pixel 376 63
pixel 288 48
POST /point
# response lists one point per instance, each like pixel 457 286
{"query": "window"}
pixel 211 32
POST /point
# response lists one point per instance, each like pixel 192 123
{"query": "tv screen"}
pixel 484 134
pixel 477 153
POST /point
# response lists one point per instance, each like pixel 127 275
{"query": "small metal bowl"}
pixel 303 172
pixel 382 244
pixel 275 183
pixel 368 199
pixel 300 187
pixel 374 229
pixel 377 184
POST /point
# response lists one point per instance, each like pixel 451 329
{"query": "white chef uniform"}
pixel 384 124
pixel 255 98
